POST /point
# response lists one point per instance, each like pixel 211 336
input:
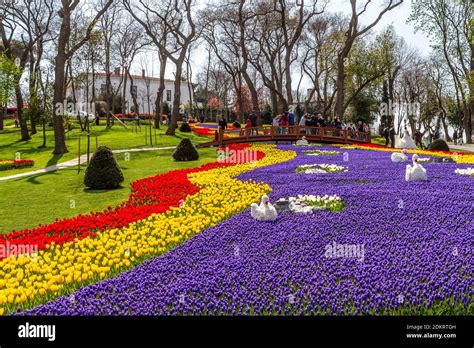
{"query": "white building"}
pixel 143 87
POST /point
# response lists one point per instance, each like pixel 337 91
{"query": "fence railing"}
pixel 263 133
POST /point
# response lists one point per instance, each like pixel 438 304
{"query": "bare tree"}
pixel 23 25
pixel 63 54
pixel 353 32
pixel 449 24
pixel 180 32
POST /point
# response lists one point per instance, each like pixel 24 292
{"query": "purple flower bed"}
pixel 206 125
pixel 416 239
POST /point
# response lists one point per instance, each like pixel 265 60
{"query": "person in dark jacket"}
pixel 222 123
pixel 385 135
pixel 253 120
pixel 391 134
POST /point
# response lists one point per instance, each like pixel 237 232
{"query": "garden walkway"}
pixel 73 162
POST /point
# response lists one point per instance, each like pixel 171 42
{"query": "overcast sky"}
pixel 396 17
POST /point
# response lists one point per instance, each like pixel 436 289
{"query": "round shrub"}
pixel 185 127
pixel 103 171
pixel 185 151
pixel 440 145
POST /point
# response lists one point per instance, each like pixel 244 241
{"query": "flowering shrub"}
pixel 320 168
pixel 15 164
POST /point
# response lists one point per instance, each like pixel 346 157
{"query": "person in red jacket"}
pixel 248 126
pixel 284 122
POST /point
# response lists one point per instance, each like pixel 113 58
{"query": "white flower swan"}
pixel 398 157
pixel 265 211
pixel 415 172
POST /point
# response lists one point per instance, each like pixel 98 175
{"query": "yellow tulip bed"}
pixel 29 280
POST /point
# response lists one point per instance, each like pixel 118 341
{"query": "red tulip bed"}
pixel 149 196
pixel 15 164
pixel 207 130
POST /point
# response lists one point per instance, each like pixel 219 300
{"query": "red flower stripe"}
pixel 150 195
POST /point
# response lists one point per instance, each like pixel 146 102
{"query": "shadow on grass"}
pixel 33 179
pixel 54 160
pixel 89 190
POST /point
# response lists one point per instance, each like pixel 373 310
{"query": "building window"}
pixel 168 95
pixel 134 91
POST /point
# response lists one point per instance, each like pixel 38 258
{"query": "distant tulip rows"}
pixel 15 164
pixel 204 197
pixel 411 246
pixel 207 130
pixel 458 156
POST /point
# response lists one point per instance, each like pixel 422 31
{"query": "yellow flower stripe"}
pixel 61 269
pixel 458 157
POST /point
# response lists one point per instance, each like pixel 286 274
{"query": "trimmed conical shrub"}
pixel 185 151
pixel 103 171
pixel 439 144
pixel 185 127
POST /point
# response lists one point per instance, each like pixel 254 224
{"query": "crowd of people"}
pixel 422 140
pixel 307 124
pixel 317 120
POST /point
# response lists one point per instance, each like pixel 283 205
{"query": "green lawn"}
pixel 116 138
pixel 378 140
pixel 28 201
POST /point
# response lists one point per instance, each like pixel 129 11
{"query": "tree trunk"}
pixel 289 95
pixel 124 92
pixel 2 116
pixel 59 74
pixel 339 109
pixel 274 102
pixel 177 98
pixel 134 97
pixel 445 127
pixel 19 105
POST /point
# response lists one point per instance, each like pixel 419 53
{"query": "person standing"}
pixel 391 133
pixel 418 137
pixel 291 120
pixel 222 123
pixel 284 122
pixel 276 123
pixel 455 137
pixel 385 135
pixel 253 120
pixel 302 124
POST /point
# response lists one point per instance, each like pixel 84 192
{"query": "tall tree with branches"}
pixel 63 54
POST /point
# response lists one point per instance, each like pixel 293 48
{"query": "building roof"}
pixel 135 77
